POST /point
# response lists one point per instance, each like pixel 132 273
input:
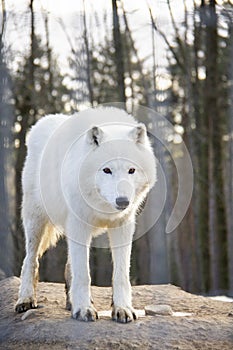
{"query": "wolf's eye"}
pixel 107 171
pixel 131 171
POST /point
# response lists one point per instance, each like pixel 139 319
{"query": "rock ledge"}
pixel 206 324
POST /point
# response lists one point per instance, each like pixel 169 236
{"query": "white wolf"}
pixel 81 180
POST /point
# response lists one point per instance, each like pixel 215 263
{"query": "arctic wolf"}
pixel 84 175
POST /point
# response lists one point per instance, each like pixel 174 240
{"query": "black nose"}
pixel 122 203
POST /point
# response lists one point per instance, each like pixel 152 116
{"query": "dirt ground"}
pixel 196 323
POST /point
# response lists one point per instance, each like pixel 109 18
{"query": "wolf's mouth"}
pixel 121 208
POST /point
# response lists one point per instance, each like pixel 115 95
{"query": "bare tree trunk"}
pixel 196 98
pixel 217 210
pixel 203 194
pixel 6 114
pixel 211 98
pixel 32 57
pixel 229 193
pixel 157 237
pixel 213 244
pixel 140 269
pixel 88 61
pixel 119 61
pixel 51 98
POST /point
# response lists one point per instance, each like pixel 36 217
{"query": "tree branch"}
pixel 179 62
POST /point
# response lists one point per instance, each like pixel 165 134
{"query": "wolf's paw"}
pixel 25 304
pixel 123 314
pixel 86 314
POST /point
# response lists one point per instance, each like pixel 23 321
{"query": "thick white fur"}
pixel 66 191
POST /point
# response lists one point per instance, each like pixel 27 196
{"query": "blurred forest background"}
pixel 191 84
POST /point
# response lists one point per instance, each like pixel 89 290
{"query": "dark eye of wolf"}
pixel 131 171
pixel 107 171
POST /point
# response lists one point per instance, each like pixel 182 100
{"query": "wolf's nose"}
pixel 122 203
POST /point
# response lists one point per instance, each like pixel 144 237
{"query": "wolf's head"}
pixel 121 166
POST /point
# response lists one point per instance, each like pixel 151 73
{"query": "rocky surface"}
pixel 194 322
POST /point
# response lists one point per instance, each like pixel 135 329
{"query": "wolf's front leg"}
pixel 80 293
pixel 121 244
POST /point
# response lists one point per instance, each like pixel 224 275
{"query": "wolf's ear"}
pixel 95 135
pixel 138 134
